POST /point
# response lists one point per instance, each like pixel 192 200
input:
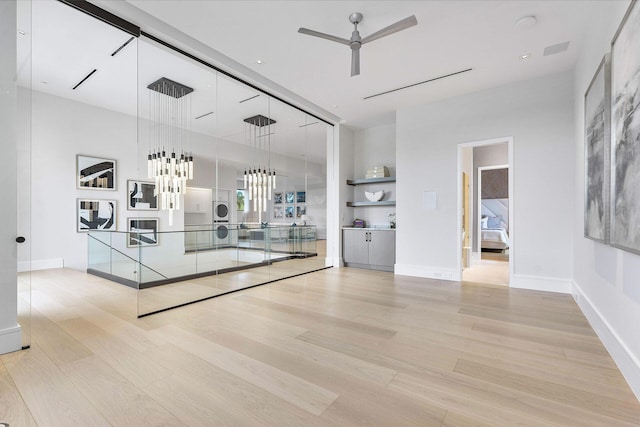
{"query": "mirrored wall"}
pixel 169 176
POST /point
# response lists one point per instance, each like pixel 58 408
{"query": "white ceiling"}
pixel 450 36
pixel 63 54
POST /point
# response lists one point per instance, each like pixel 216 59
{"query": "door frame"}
pixel 512 224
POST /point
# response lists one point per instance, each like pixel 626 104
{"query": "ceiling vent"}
pixel 419 83
pixel 556 48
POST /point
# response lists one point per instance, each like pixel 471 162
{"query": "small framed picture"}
pixel 277 198
pixel 290 197
pixel 288 212
pixel 301 196
pixel 95 173
pixel 277 212
pixel 300 210
pixel 141 197
pixel 142 232
pixel 240 199
pixel 96 215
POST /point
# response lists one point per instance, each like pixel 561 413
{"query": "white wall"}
pixel 372 147
pixel 487 155
pixel 538 114
pixel 10 338
pixel 62 128
pixel 606 279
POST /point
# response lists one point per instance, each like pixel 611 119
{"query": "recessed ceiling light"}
pixel 259 61
pixel 525 56
pixel 44 83
pixel 334 106
pixel 22 33
pixel 526 21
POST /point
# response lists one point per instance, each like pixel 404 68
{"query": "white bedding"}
pixel 495 238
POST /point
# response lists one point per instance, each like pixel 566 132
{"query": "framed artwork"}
pixel 95 173
pixel 96 215
pixel 141 197
pixel 277 198
pixel 277 212
pixel 597 154
pixel 301 197
pixel 288 212
pixel 625 128
pixel 300 210
pixel 290 197
pixel 240 198
pixel 142 232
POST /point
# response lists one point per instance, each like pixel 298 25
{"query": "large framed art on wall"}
pixel 95 173
pixel 625 152
pixel 141 196
pixel 142 232
pixel 597 153
pixel 96 215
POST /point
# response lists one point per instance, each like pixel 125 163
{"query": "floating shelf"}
pixel 371 180
pixel 381 203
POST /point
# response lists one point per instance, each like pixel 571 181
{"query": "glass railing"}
pixel 173 268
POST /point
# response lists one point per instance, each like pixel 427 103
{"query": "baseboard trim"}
pixel 540 283
pixel 427 272
pixel 10 339
pixel 628 363
pixel 40 264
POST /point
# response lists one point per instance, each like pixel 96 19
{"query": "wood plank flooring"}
pixel 339 347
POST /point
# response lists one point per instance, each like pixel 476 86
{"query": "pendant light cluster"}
pixel 259 179
pixel 170 129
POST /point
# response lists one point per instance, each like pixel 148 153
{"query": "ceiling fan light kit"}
pixel 356 42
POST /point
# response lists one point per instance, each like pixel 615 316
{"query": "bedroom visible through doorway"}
pixel 485 206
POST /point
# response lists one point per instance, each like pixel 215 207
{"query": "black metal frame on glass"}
pixel 625 130
pixel 597 154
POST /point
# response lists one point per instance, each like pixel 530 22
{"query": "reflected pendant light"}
pixel 259 180
pixel 169 133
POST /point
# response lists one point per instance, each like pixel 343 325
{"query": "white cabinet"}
pixel 369 248
pixel 198 200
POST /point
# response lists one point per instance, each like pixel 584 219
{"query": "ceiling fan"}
pixel 356 42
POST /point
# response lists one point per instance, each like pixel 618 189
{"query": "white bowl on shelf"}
pixel 374 197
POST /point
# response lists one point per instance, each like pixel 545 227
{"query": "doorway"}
pixel 485 209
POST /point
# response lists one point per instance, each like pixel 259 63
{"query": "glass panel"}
pixel 24 57
pixel 231 232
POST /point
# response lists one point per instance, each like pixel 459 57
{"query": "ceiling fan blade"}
pixel 355 62
pixel 323 36
pixel 393 28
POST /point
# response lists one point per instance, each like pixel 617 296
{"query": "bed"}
pixel 495 238
pixel 494 224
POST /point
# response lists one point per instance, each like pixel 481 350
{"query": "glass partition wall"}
pixel 188 184
pixel 242 212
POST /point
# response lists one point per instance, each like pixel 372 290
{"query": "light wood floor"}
pixel 339 347
pixel 491 269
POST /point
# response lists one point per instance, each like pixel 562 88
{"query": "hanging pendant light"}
pixel 169 132
pixel 260 182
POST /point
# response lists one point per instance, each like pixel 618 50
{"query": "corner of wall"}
pixel 627 362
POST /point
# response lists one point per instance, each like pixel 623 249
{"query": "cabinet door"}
pixel 355 247
pixel 382 248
